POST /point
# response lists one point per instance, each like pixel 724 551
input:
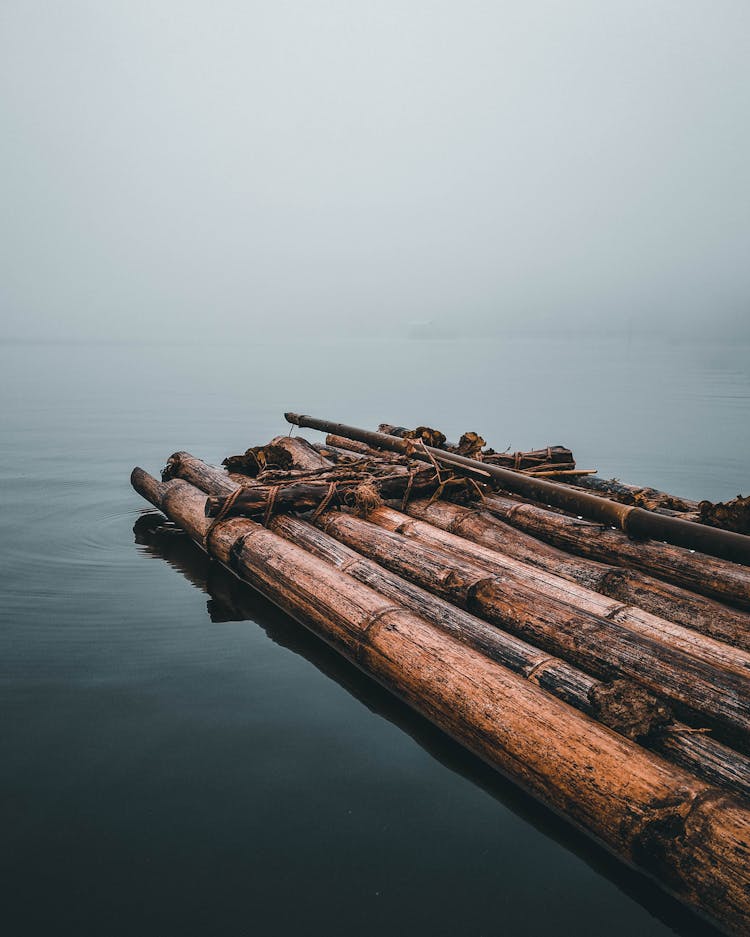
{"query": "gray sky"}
pixel 185 169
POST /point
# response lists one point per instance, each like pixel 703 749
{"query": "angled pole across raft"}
pixel 635 521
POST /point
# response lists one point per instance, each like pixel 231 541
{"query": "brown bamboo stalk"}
pixel 720 689
pixel 619 704
pixel 349 445
pixel 715 653
pixel 632 587
pixel 636 521
pixel 644 496
pixel 719 579
pixel 594 643
pixel 612 702
pixel 688 835
pixel 566 473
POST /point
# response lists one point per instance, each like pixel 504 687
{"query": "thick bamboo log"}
pixel 716 653
pixel 559 595
pixel 629 586
pixel 719 579
pixel 646 497
pixel 284 453
pixel 598 645
pixel 687 834
pixel 300 496
pixel 636 521
pixel 612 702
pixel 200 474
pixel 619 704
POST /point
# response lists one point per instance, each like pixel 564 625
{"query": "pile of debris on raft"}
pixel 607 673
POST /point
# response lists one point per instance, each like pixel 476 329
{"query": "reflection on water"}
pixel 232 600
pixel 165 773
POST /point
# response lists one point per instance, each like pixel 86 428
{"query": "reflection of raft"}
pixel 609 677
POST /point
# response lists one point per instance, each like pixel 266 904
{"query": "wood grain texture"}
pixel 630 586
pixel 598 645
pixel 707 575
pixel 690 836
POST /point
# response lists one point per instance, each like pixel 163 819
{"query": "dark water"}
pixel 180 758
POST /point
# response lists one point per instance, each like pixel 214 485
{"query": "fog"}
pixel 226 170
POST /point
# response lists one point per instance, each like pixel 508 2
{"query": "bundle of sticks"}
pixel 608 676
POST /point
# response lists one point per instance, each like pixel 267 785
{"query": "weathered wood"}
pixel 645 497
pixel 687 834
pixel 598 645
pixel 364 494
pixel 619 704
pixel 199 473
pixel 636 521
pixel 701 647
pixel 471 444
pixel 719 579
pixel 729 515
pixel 612 702
pixel 286 453
pixel 630 586
pixel 564 598
pixel 343 444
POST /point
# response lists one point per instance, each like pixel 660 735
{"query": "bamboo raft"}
pixel 588 639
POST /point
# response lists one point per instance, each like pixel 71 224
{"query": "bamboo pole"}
pixel 727 582
pixel 619 704
pixel 685 833
pixel 515 603
pixel 632 587
pixel 616 706
pixel 650 498
pixel 728 668
pixel 636 521
pixel 612 702
pixel 715 653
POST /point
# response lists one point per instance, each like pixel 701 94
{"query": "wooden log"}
pixel 650 498
pixel 615 703
pixel 630 586
pixel 285 453
pixel 715 653
pixel 691 837
pixel 564 593
pixel 730 515
pixel 619 704
pixel 471 444
pixel 184 465
pixel 343 444
pixel 636 521
pixel 719 579
pixel 363 494
pixel 563 473
pixel 515 603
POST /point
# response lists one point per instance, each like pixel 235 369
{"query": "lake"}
pixel 181 758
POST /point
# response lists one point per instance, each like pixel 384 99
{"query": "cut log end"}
pixel 629 709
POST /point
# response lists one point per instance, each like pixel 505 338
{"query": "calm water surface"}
pixel 179 757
